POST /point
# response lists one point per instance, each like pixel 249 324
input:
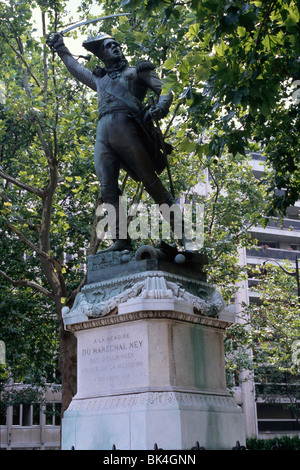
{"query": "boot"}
pixel 117 222
pixel 162 196
pixel 119 245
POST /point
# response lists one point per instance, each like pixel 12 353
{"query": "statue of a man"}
pixel 124 137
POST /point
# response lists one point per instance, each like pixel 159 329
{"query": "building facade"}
pixel 31 426
pixel 278 242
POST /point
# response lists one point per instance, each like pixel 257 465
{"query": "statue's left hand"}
pixel 156 113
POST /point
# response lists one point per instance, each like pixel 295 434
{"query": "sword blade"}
pixel 94 20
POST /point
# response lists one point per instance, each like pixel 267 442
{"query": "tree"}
pixel 220 67
pixel 40 176
pixel 29 329
pixel 270 329
pixel 236 62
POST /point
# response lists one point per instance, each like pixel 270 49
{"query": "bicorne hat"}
pixel 92 43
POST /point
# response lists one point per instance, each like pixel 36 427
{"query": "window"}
pixel 16 415
pixel 274 417
pixel 35 414
pixel 295 247
pixel 53 411
pixel 2 416
pixel 26 414
pixel 266 245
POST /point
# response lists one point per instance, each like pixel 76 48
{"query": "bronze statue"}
pixel 125 132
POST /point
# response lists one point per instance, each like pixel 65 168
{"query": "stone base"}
pixel 149 377
pixel 173 420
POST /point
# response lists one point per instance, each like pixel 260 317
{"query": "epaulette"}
pixel 144 65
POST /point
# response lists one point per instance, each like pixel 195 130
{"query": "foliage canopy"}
pixel 230 65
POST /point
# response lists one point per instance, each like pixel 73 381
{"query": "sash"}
pixel 118 91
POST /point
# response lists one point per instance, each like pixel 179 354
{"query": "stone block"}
pixel 150 356
pixel 151 377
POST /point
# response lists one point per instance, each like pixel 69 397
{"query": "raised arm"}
pixel 81 73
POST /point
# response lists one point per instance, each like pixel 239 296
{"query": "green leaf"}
pixel 170 63
pixel 193 31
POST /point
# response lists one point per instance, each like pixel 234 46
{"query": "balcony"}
pixel 286 224
pixel 287 232
pixel 265 253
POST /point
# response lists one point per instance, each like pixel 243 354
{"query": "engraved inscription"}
pixel 111 362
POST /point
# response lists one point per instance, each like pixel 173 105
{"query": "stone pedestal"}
pixel 150 365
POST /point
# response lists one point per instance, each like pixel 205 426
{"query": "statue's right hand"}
pixel 55 41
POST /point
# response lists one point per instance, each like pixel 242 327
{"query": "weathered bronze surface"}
pixel 126 137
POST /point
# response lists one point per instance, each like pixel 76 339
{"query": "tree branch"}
pixel 21 58
pixel 171 120
pixel 51 266
pixel 20 219
pixel 215 201
pixel 45 55
pixel 31 245
pixel 267 14
pixel 31 189
pixel 26 69
pixel 4 197
pixel 25 283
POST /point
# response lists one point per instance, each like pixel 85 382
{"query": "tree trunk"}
pixel 68 365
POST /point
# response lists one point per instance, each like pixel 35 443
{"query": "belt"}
pixel 112 111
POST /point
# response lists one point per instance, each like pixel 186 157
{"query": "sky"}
pixel 75 45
